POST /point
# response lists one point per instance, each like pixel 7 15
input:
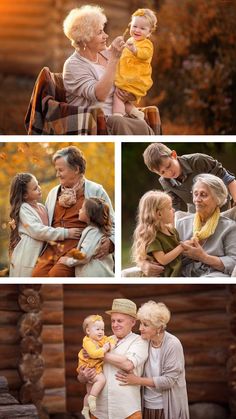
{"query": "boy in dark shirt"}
pixel 177 173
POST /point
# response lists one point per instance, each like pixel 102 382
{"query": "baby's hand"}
pixel 106 347
pixel 130 45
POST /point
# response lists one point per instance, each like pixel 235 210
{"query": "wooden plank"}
pixel 53 355
pixel 53 378
pixel 52 292
pixel 9 356
pixel 52 334
pixel 19 411
pixel 52 312
pixel 203 392
pixel 9 334
pixel 208 374
pixel 55 400
pixel 9 317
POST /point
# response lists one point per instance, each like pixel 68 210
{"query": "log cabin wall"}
pixel 32 36
pixel 199 320
pixel 15 352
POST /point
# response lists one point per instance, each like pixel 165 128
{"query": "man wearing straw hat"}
pixel 130 353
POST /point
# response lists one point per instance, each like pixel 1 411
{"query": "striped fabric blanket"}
pixel 49 114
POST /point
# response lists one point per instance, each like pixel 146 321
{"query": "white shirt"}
pixel 116 401
pixel 152 397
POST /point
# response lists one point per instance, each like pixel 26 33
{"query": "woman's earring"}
pixel 84 47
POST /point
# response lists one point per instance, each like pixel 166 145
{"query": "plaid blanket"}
pixel 49 114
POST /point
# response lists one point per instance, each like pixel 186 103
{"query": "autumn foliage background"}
pixel 194 65
pixel 35 158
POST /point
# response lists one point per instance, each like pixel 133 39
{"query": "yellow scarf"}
pixel 203 232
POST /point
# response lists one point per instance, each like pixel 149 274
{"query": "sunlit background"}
pixel 194 65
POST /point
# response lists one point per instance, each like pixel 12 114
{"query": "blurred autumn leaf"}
pixel 36 158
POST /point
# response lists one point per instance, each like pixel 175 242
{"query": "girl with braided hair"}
pixel 29 225
pixel 96 213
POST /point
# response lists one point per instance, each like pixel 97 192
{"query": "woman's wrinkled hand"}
pixel 117 47
pixel 193 250
pixel 103 248
pixel 151 269
pixel 125 96
pixel 126 378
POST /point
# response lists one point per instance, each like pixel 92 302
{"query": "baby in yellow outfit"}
pixel 95 346
pixel 134 68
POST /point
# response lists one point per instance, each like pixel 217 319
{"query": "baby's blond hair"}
pixel 149 15
pixel 91 319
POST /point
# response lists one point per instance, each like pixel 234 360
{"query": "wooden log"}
pixel 74 404
pixel 51 292
pixel 31 367
pixel 13 378
pixel 53 378
pixel 52 312
pixel 31 393
pixel 55 400
pixel 53 355
pixel 100 301
pixel 30 325
pixel 204 339
pixel 9 317
pixel 3 384
pixel 35 287
pixel 203 392
pixel 8 299
pixel 30 300
pixel 9 356
pixel 6 399
pixel 19 411
pixel 52 334
pixel 206 373
pixel 132 292
pixel 9 334
pixel 212 356
pixel 30 344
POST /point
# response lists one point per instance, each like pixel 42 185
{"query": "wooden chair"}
pixel 49 113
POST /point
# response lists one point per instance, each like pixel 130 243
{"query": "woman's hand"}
pixel 74 233
pixel 127 378
pixel 193 250
pixel 103 248
pixel 151 269
pixel 117 47
pixel 125 96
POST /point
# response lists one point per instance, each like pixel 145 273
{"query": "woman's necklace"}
pixel 157 345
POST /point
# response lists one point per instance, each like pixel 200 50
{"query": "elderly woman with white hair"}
pixel 165 393
pixel 89 73
pixel 211 249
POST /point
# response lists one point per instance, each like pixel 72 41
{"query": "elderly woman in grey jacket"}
pixel 165 393
pixel 89 73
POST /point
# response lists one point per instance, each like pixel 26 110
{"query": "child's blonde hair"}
pixel 91 319
pixel 148 223
pixel 149 15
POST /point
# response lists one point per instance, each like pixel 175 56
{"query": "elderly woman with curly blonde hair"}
pixel 89 73
pixel 165 393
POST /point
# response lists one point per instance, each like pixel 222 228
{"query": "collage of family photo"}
pixel 117 209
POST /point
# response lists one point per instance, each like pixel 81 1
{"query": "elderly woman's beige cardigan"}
pixel 171 381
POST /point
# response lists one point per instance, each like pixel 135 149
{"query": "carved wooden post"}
pixel 231 363
pixel 31 365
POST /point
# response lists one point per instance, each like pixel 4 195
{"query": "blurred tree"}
pixel 195 64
